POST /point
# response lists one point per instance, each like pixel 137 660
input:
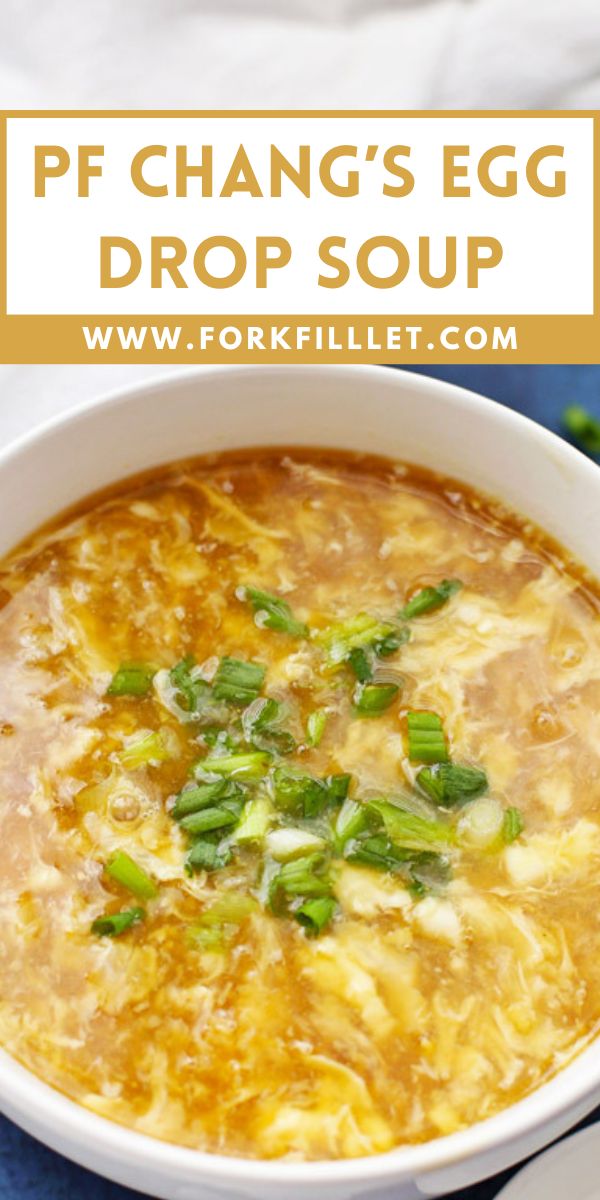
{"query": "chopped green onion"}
pixel 125 871
pixel 422 870
pixel 429 598
pixel 361 663
pixel 238 682
pixel 481 823
pixel 287 843
pixel 512 825
pixel 392 642
pixel 315 914
pixel 114 924
pixel 193 692
pixel 409 830
pixel 449 785
pixel 255 820
pixel 236 766
pixel 582 427
pixel 132 679
pixel 297 793
pixel 300 877
pixel 379 852
pixel 199 796
pixel 147 750
pixel 426 739
pixel 210 938
pixel 315 727
pixel 337 787
pixel 208 819
pixel 359 632
pixel 261 724
pixel 371 699
pixel 206 856
pixel 230 908
pixel 272 612
pixel 218 923
pixel 351 821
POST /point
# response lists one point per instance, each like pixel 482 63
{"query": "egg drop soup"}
pixel 299 805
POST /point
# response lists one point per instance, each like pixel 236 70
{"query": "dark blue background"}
pixel 30 1172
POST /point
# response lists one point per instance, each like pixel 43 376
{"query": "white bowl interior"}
pixel 374 410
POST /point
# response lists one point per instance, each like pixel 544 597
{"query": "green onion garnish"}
pixel 255 820
pixel 114 924
pixel 146 750
pixel 430 598
pixel 132 679
pixel 300 877
pixel 193 692
pixel 352 820
pixel 195 797
pixel 512 825
pixel 235 766
pixel 238 682
pixel 272 612
pixel 582 427
pixel 359 632
pixel 337 787
pixel 426 739
pixel 261 723
pixel 449 785
pixel 125 871
pixel 315 727
pixel 408 829
pixel 207 856
pixel 208 819
pixel 361 663
pixel 298 793
pixel 371 699
pixel 423 870
pixel 315 914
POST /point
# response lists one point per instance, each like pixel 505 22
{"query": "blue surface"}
pixel 29 1171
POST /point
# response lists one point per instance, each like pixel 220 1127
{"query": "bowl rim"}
pixel 42 1107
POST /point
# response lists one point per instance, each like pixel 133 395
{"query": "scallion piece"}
pixel 132 679
pixel 235 766
pixel 426 739
pixel 359 632
pixel 193 692
pixel 207 820
pixel 255 820
pixel 449 785
pixel 193 799
pixel 301 877
pixel 315 914
pixel 238 682
pixel 272 612
pixel 371 699
pixel 361 662
pixel 122 869
pixel 207 856
pixel 114 924
pixel 337 787
pixel 146 750
pixel 428 599
pixel 315 727
pixel 512 825
pixel 582 427
pixel 408 829
pixel 352 820
pixel 261 723
pixel 297 793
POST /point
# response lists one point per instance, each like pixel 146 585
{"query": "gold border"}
pixel 550 339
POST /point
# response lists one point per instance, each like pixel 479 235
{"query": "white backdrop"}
pixel 273 54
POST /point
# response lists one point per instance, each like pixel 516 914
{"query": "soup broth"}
pixel 299 805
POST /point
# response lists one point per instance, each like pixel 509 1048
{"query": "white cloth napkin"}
pixel 272 54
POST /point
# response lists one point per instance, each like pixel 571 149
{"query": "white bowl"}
pixel 363 408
